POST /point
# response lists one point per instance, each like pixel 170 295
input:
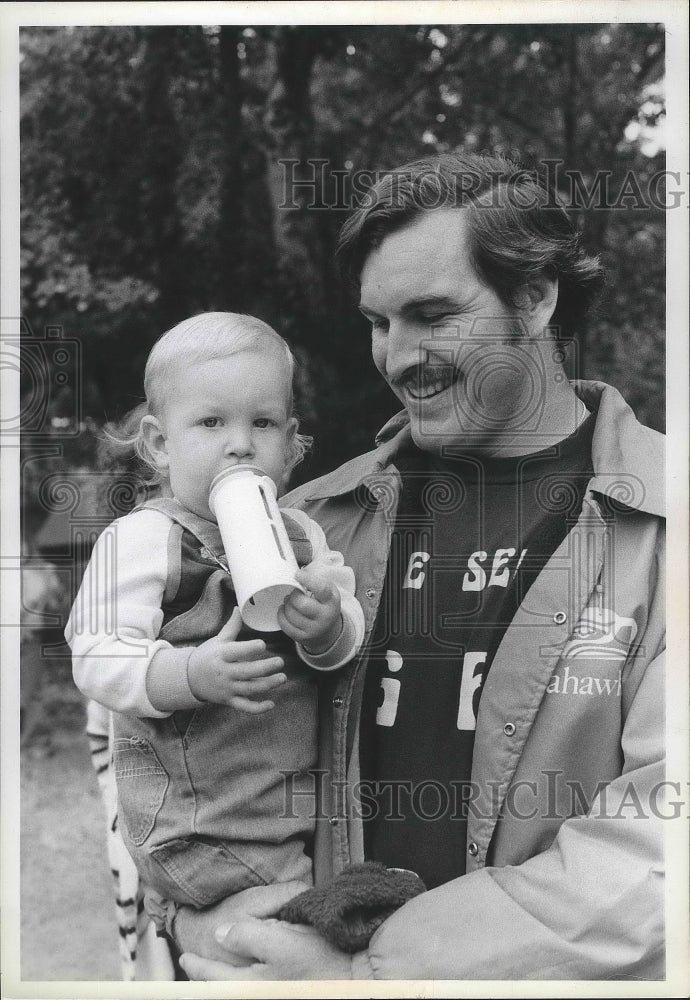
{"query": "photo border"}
pixel 675 16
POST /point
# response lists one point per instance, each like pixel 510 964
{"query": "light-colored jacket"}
pixel 564 843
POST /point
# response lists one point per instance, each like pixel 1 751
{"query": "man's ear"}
pixel 537 300
pixel 156 442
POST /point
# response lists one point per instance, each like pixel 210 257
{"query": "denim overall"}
pixel 201 795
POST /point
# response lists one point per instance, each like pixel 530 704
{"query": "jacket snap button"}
pixel 509 729
pixel 338 701
pixel 371 593
pixel 472 849
pixel 333 820
pixel 560 617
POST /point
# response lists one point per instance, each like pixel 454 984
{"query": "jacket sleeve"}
pixel 333 565
pixel 114 623
pixel 589 907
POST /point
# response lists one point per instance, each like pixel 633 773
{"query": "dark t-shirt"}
pixel 471 536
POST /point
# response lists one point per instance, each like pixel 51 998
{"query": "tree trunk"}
pixel 161 157
pixel 296 183
pixel 231 239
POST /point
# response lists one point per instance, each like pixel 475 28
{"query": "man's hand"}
pixel 273 950
pixel 226 672
pixel 313 619
pixel 195 930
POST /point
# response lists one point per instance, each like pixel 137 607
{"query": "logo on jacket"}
pixel 601 634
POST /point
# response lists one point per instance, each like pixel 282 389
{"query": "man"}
pixel 502 733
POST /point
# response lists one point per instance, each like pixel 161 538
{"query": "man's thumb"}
pixel 232 627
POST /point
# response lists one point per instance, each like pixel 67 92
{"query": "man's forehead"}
pixel 425 259
pixel 441 228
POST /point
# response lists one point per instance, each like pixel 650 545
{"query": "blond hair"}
pixel 207 337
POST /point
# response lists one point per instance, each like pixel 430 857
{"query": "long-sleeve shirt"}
pixel 211 799
pixel 115 624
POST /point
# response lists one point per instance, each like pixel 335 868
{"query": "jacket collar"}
pixel 627 457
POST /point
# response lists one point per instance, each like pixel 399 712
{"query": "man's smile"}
pixel 426 383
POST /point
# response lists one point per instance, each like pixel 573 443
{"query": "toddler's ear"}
pixel 293 452
pixel 290 433
pixel 155 441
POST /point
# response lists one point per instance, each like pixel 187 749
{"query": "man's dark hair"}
pixel 518 228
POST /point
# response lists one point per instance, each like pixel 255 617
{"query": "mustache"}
pixel 425 375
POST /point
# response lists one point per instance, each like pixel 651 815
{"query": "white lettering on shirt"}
pixel 472 677
pixel 417 560
pixel 387 710
pixel 501 560
pixel 478 580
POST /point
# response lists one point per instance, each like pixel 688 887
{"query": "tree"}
pixel 153 188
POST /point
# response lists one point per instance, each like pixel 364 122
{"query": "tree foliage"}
pixel 152 184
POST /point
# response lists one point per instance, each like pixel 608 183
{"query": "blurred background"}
pixel 151 189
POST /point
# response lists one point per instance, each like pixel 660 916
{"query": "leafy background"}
pixel 151 189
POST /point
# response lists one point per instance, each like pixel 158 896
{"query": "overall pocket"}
pixel 201 871
pixel 141 785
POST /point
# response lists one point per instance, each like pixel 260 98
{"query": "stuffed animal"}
pixel 349 910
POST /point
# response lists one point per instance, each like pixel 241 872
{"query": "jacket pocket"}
pixel 141 785
pixel 199 871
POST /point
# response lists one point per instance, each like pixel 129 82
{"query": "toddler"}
pixel 207 713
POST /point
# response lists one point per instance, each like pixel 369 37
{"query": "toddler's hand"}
pixel 313 619
pixel 226 672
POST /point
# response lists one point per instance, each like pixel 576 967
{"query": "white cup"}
pixel 260 557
